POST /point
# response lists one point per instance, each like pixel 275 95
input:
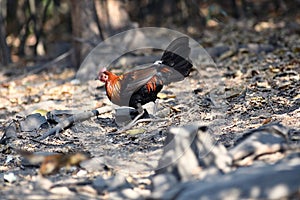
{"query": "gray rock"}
pixel 10 132
pixel 114 183
pixel 100 184
pixel 118 182
pixel 258 182
pixel 32 122
pixel 164 185
pixel 264 140
pixel 94 164
pixel 126 193
pixel 191 147
pixel 190 151
pixel 178 156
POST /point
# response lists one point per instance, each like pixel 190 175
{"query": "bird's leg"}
pixel 133 122
pixel 155 107
pixel 138 119
pixel 141 113
pixel 140 108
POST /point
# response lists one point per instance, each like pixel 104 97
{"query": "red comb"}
pixel 102 70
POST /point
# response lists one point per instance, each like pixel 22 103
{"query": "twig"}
pixel 48 144
pixel 74 118
pixel 134 122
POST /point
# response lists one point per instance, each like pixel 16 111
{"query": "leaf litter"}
pixel 259 86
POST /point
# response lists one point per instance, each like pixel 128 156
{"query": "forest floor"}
pixel 256 81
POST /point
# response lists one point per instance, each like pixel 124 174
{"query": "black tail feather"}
pixel 177 56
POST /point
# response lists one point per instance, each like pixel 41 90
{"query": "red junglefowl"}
pixel 141 86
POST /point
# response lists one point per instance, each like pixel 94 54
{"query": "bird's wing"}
pixel 134 80
pixel 168 74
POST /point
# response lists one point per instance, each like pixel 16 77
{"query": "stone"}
pixel 276 181
pixel 114 183
pixel 267 139
pixel 190 150
pixel 32 122
pixel 163 186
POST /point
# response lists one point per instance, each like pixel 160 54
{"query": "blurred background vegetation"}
pixel 38 31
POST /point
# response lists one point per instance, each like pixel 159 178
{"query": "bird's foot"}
pixel 135 113
pixel 133 122
pixel 138 119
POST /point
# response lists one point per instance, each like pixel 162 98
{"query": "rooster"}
pixel 141 86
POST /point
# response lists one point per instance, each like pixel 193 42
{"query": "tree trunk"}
pixel 85 29
pixel 4 50
pixel 92 21
pixel 113 17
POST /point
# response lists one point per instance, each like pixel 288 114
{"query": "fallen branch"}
pixel 75 118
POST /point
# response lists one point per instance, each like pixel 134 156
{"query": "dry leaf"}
pixel 40 111
pixel 264 84
pixel 165 96
pixel 135 131
pixel 176 108
pixel 266 121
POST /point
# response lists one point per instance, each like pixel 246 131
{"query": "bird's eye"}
pixel 104 76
